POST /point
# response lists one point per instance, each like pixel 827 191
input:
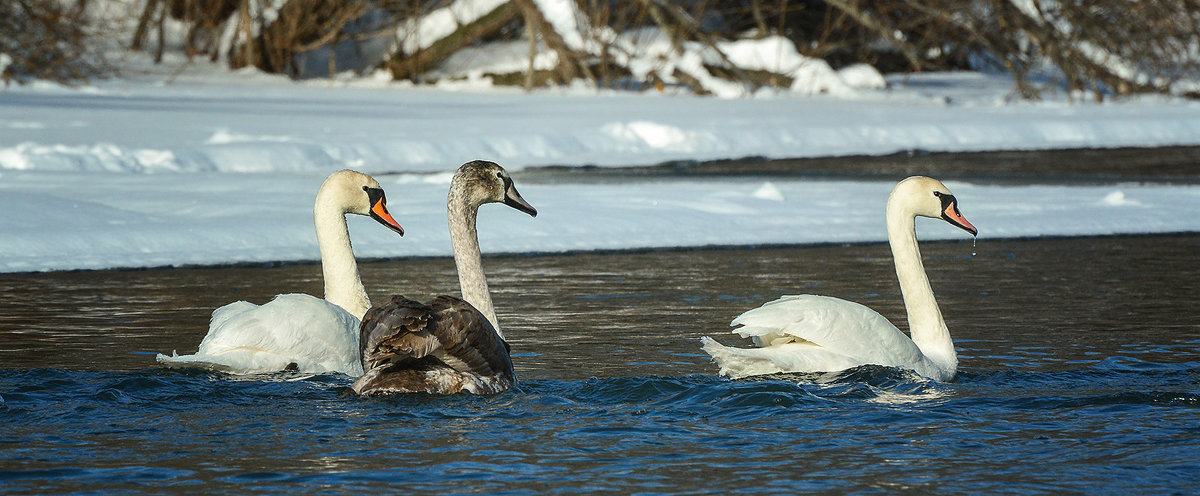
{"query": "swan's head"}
pixel 353 192
pixel 928 197
pixel 482 182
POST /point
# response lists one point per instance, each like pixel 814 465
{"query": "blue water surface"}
pixel 1079 373
pixel 1120 426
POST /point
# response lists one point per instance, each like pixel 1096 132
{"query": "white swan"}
pixel 448 345
pixel 810 333
pixel 297 331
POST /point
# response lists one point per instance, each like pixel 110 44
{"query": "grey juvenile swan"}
pixel 448 345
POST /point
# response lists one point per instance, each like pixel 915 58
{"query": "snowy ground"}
pixel 100 220
pixel 272 126
pixel 135 173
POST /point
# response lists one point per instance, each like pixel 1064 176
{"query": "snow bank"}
pixel 59 221
pixel 129 174
pixel 419 33
pixel 809 76
pixel 196 127
pixel 648 51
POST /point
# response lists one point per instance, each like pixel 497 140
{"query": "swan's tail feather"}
pixel 738 362
pixel 798 357
pixel 176 361
pixel 239 361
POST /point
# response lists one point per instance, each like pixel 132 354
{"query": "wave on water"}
pixel 865 383
pixel 92 430
pixel 1117 377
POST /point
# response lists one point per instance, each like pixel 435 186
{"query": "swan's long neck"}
pixel 925 322
pixel 467 258
pixel 342 284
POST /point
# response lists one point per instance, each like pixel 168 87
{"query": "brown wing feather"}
pixel 395 330
pixel 444 347
pixel 467 336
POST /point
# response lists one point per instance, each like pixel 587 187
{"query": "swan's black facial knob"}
pixel 379 211
pixel 513 199
pixel 951 214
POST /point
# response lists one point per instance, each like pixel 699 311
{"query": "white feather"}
pixel 244 338
pixel 299 332
pixel 810 333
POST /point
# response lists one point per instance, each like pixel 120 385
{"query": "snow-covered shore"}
pixel 138 174
pixel 282 126
pixel 57 221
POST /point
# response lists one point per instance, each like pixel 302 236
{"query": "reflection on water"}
pixel 1079 372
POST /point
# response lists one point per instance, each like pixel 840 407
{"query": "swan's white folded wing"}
pixel 229 312
pixel 311 333
pixel 840 327
pixel 785 357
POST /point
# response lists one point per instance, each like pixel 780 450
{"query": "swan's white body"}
pixel 810 333
pixel 298 332
pixel 292 332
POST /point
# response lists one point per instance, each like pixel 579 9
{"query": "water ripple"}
pixel 295 432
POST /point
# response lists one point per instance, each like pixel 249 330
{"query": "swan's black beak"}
pixel 379 210
pixel 514 200
pixel 951 214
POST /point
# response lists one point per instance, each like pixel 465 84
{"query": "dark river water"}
pixel 1079 373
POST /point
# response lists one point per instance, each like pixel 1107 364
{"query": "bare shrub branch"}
pixel 47 39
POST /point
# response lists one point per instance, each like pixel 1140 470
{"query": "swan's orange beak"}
pixel 953 216
pixel 379 210
pixel 380 213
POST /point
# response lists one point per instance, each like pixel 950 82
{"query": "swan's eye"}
pixel 937 194
pixel 367 189
pixel 499 175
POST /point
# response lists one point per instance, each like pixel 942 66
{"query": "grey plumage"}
pixel 443 347
pixel 450 344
